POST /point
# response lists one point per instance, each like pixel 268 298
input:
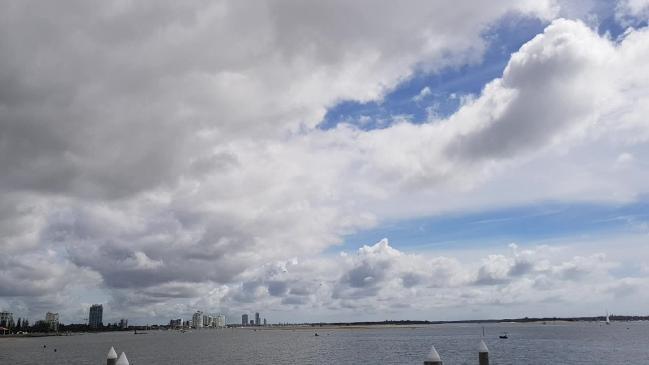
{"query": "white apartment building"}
pixel 52 320
pixel 197 320
pixel 220 320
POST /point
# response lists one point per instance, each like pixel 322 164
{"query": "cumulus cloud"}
pixel 628 12
pixel 147 153
pixel 379 280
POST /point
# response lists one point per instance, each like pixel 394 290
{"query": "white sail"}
pixel 608 320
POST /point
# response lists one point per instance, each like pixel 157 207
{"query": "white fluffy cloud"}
pixel 166 152
pixel 379 281
pixel 629 10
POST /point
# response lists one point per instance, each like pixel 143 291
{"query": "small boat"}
pixel 317 335
pixel 503 336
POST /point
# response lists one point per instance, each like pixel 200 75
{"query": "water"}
pixel 565 343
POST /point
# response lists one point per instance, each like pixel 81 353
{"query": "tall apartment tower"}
pixel 95 318
pixel 6 319
pixel 197 319
pixel 52 320
pixel 220 320
pixel 244 320
pixel 257 319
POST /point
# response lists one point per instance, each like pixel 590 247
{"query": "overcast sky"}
pixel 324 161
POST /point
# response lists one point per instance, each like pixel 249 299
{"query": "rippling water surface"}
pixel 558 343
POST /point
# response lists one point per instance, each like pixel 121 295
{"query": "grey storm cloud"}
pixel 21 279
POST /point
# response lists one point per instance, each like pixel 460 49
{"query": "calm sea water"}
pixel 578 343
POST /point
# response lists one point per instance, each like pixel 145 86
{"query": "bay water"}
pixel 529 343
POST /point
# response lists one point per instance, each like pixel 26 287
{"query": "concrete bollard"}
pixel 122 360
pixel 483 354
pixel 433 357
pixel 111 358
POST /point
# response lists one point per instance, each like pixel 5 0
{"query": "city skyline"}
pixel 95 317
pixel 323 161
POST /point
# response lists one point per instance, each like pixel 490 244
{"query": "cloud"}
pixel 379 279
pixel 547 89
pixel 424 93
pixel 629 12
pixel 146 152
pixel 140 143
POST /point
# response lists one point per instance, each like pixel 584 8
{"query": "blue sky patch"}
pixel 520 225
pixel 445 88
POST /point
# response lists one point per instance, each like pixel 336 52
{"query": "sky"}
pixel 324 161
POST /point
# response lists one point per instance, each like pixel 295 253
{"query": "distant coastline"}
pixel 619 318
pixel 359 325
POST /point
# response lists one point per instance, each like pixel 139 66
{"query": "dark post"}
pixel 111 358
pixel 433 357
pixel 483 353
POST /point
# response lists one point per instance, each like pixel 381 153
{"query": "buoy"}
pixel 122 360
pixel 111 357
pixel 483 353
pixel 433 357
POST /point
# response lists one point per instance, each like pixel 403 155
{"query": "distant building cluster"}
pixel 95 321
pixel 7 323
pixel 49 324
pixel 176 323
pixel 201 320
pixel 258 321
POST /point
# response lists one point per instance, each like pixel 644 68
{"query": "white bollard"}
pixel 433 357
pixel 122 360
pixel 483 354
pixel 111 358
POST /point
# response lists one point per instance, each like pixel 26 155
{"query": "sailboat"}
pixel 608 319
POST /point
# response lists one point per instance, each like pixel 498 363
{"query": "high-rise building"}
pixel 197 320
pixel 176 323
pixel 123 323
pixel 244 320
pixel 52 320
pixel 257 319
pixel 264 322
pixel 6 319
pixel 208 320
pixel 95 319
pixel 220 320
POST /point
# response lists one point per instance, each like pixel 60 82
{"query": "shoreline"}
pixel 366 325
